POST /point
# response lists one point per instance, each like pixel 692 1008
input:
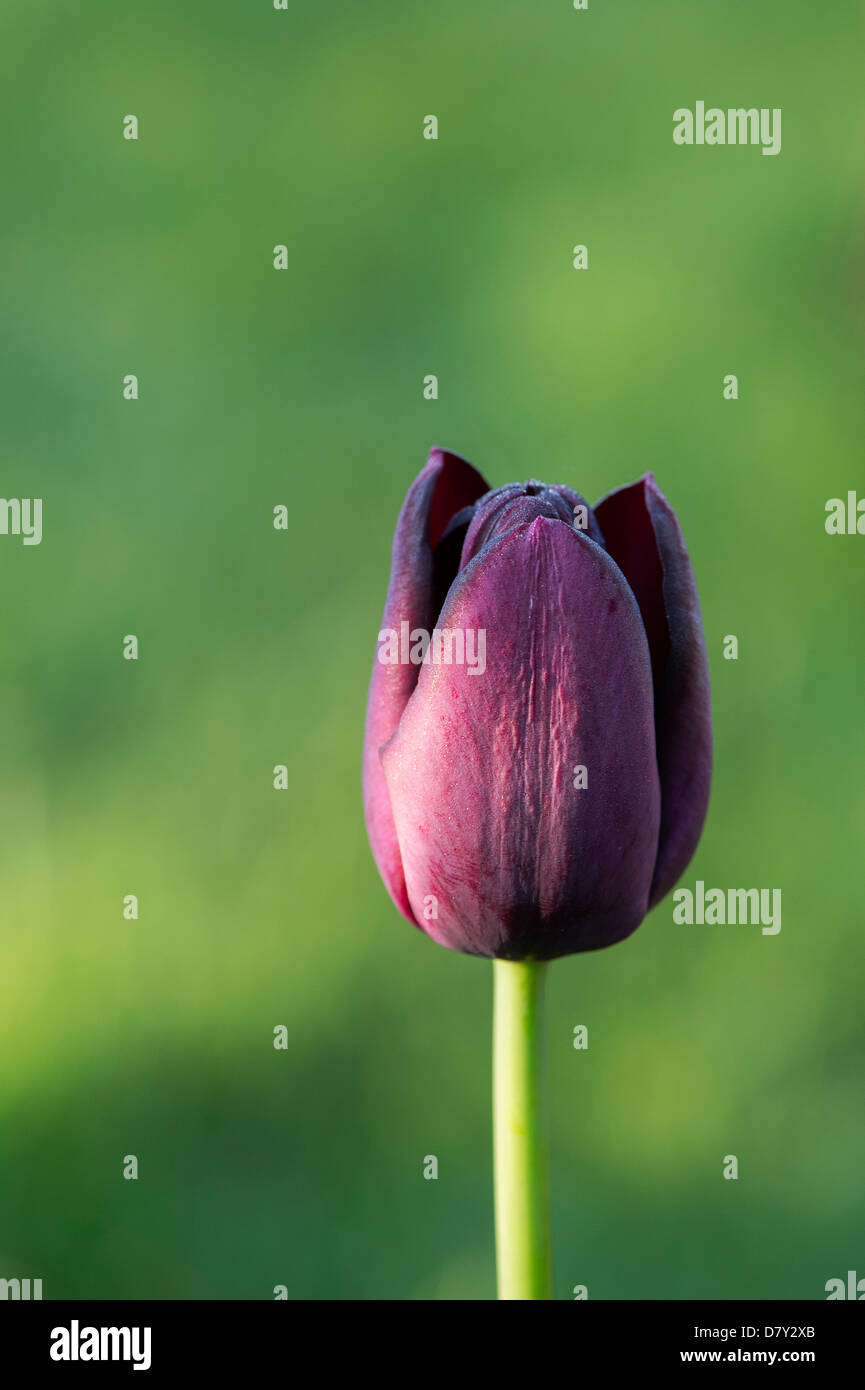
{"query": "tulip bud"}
pixel 594 658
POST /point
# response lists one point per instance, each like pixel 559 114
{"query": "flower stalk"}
pixel 521 1196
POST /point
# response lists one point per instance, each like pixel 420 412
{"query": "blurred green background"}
pixel 304 387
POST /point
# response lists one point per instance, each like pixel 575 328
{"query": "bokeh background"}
pixel 304 387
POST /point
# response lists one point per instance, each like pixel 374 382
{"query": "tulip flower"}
pixel 540 801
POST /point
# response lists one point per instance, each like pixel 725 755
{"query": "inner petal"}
pixel 507 507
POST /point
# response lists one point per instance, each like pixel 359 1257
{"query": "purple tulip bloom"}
pixel 486 833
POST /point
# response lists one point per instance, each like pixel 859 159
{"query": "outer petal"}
pixel 481 768
pixel 445 485
pixel 645 539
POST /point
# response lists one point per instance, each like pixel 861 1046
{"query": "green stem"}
pixel 522 1208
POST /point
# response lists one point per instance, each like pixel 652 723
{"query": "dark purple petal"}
pixel 480 770
pixel 573 499
pixel 446 556
pixel 443 487
pixel 645 539
pixel 502 511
